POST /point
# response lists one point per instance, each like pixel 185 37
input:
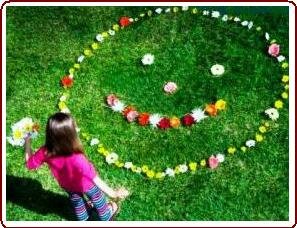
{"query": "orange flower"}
pixel 127 110
pixel 211 110
pixel 143 119
pixel 174 122
pixel 35 127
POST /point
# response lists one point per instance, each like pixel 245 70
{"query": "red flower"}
pixel 127 110
pixel 67 81
pixel 188 120
pixel 125 21
pixel 143 119
pixel 164 123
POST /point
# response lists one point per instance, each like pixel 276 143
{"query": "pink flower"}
pixel 112 99
pixel 170 87
pixel 273 50
pixel 213 162
pixel 131 116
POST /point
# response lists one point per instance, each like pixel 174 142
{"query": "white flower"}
pixel 169 172
pixel 205 12
pixel 225 17
pixel 128 165
pixel 94 141
pixel 236 19
pixel 148 59
pixel 118 106
pixel 111 32
pixel 70 76
pixel 250 25
pixel 217 70
pixel 198 115
pixel 170 87
pixel 272 113
pixel 154 119
pixel 99 38
pixel 15 142
pixel 185 8
pixel 183 168
pixel 131 19
pixel 80 58
pixel 63 98
pixel 112 158
pixel 267 36
pixel 158 10
pixel 77 129
pixel 220 157
pixel 138 170
pixel 215 14
pixel 280 58
pixel 167 10
pixel 250 143
pixel 244 23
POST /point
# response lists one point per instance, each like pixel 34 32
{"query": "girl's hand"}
pixel 27 139
pixel 122 193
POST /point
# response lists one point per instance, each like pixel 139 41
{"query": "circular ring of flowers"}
pixel 212 162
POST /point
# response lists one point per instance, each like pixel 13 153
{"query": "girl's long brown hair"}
pixel 61 135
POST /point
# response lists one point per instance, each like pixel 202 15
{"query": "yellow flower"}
pixel 95 46
pixel 116 27
pixel 194 11
pixel 259 138
pixel 285 78
pixel 285 95
pixel 105 153
pixel 285 65
pixel 159 175
pixel 141 15
pixel 133 168
pixel 286 87
pixel 101 150
pixel 266 124
pixel 231 150
pixel 258 28
pixel 262 129
pixel 71 71
pixel 28 127
pixel 149 13
pixel 76 66
pixel 176 170
pixel 144 168
pixel 87 52
pixel 203 163
pixel 193 166
pixel 150 174
pixel 62 105
pixel 119 164
pixel 17 134
pixel 105 34
pixel 175 9
pixel 174 122
pixel 243 149
pixel 278 104
pixel 220 104
pixel 273 41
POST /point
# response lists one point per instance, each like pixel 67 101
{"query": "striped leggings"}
pixel 98 199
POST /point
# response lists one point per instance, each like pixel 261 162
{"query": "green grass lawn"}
pixel 44 42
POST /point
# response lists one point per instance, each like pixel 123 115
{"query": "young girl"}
pixel 64 155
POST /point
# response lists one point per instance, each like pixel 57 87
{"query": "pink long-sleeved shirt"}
pixel 74 172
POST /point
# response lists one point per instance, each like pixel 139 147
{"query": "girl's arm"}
pixel 119 193
pixel 28 149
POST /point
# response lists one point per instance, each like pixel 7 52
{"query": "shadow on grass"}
pixel 28 193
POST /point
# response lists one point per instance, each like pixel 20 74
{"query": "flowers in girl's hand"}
pixel 94 141
pixel 198 115
pixel 125 21
pixel 250 143
pixel 112 158
pixel 67 81
pixel 164 123
pixel 143 119
pixel 148 59
pixel 213 162
pixel 273 50
pixel 22 129
pixel 217 70
pixel 272 113
pixel 170 87
pixel 188 120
